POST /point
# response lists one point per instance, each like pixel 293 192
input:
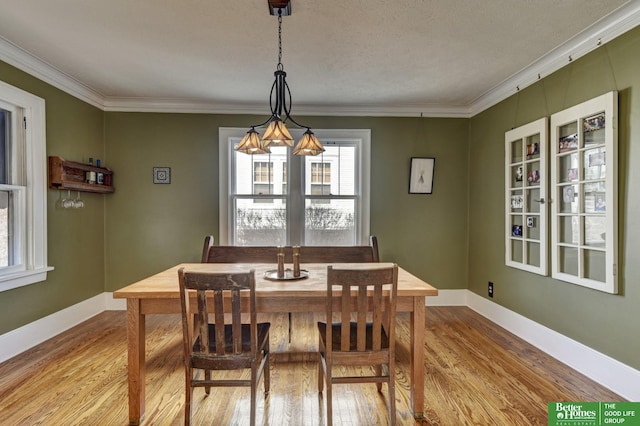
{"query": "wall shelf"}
pixel 72 175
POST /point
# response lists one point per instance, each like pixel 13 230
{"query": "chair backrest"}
pixel 222 289
pixel 375 288
pixel 308 254
pixel 208 243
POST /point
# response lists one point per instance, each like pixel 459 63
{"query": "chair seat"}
pixel 337 335
pixel 263 333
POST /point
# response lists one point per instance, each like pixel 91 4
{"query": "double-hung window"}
pixel 282 199
pixel 23 226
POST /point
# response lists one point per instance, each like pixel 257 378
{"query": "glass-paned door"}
pixel 584 184
pixel 525 197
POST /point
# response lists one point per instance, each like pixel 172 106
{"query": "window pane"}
pixel 5 234
pixel 331 224
pixel 261 173
pixel 5 139
pixel 533 254
pixel 333 172
pixel 595 265
pixel 260 225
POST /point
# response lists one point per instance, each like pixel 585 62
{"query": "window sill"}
pixel 23 278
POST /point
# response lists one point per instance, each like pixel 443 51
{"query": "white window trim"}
pixel 35 261
pixel 364 174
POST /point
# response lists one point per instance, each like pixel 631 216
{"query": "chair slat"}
pixel 218 297
pixel 236 327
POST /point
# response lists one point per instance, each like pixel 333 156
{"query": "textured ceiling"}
pixel 355 54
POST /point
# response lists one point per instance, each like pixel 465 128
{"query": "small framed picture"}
pixel 591 124
pixel 533 149
pixel 572 174
pixel 516 230
pixel 533 176
pixel 162 175
pixel 519 174
pixel 600 202
pixel 568 143
pixel 517 201
pixel 568 194
pixel 421 175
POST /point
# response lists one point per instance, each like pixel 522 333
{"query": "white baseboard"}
pixel 19 340
pixel 115 304
pixel 608 372
pixel 449 298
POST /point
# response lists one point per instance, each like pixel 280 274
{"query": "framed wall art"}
pixel 162 175
pixel 421 175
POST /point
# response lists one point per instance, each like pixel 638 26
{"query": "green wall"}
pixel 151 227
pixel 75 130
pixel 608 323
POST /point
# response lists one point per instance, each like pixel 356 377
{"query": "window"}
pixel 281 199
pixel 23 226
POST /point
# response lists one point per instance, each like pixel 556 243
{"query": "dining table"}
pixel 159 294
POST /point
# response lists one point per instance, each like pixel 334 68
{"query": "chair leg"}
pixel 207 376
pixel 378 371
pixel 188 393
pixel 329 398
pixel 254 389
pixel 320 366
pixel 392 393
pixel 266 371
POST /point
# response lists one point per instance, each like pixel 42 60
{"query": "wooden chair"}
pixel 221 345
pixel 365 341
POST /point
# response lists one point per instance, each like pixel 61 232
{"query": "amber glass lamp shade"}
pixel 308 145
pixel 251 144
pixel 277 134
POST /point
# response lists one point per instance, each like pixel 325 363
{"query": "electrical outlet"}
pixel 490 289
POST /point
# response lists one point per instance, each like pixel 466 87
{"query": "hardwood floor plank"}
pixel 476 373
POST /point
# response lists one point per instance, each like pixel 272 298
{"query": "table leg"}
pixel 136 360
pixel 417 356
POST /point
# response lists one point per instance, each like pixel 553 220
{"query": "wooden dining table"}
pixel 158 294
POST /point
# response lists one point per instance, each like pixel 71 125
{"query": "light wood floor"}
pixel 476 374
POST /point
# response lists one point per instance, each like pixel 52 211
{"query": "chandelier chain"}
pixel 280 66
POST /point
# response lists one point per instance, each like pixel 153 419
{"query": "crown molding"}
pixel 613 25
pixel 608 28
pixel 124 104
pixel 25 61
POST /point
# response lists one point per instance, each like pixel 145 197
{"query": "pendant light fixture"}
pixel 277 133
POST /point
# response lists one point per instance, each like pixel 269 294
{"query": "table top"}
pixel 164 285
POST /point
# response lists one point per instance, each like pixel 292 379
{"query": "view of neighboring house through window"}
pixel 263 179
pixel 328 203
pixel 320 178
